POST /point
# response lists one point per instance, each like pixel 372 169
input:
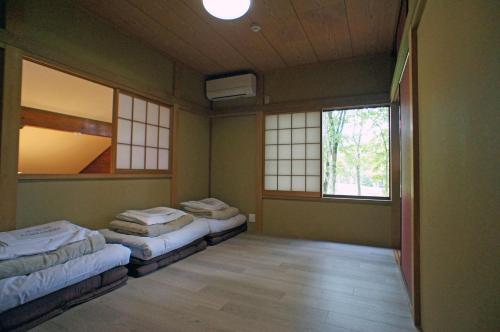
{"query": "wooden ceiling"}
pixel 294 32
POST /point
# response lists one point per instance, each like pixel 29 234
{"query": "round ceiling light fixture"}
pixel 227 9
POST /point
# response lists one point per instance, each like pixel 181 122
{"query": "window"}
pixel 356 152
pixel 342 153
pixel 143 135
pixel 71 125
pixel 293 152
pixel 66 123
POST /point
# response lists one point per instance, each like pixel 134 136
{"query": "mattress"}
pixel 217 226
pixel 18 290
pixel 146 248
pixel 216 238
pixel 138 267
pixel 35 312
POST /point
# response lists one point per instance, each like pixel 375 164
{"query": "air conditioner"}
pixel 232 87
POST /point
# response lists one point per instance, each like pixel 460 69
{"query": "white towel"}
pixel 208 204
pixel 41 239
pixel 158 215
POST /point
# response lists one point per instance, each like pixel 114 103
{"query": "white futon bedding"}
pixel 149 247
pixel 18 290
pixel 216 225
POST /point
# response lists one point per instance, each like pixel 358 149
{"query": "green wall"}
pixel 363 223
pixel 59 32
pixel 343 78
pixel 234 155
pixel 193 146
pixel 234 163
pixel 458 72
pixel 89 203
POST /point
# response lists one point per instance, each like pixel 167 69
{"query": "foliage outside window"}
pixel 356 152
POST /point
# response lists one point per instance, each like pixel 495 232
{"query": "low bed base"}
pixel 33 313
pixel 216 238
pixel 139 267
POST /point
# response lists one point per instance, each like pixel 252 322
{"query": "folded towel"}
pixel 40 239
pixel 219 214
pixel 158 215
pixel 207 204
pixel 130 228
pixel 29 264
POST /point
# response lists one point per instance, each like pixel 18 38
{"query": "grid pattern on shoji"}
pixel 292 152
pixel 143 134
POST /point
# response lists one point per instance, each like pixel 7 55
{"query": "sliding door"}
pixel 408 96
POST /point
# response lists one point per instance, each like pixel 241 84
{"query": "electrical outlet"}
pixel 251 217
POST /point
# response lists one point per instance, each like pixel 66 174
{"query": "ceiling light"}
pixel 227 9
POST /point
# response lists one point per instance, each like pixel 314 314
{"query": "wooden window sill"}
pixel 22 177
pixel 383 202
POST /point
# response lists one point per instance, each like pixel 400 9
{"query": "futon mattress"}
pixel 217 226
pixel 18 290
pixel 146 248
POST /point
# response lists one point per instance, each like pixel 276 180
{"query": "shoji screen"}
pixel 143 135
pixel 292 152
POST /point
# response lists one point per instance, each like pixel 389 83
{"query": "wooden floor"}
pixel 256 283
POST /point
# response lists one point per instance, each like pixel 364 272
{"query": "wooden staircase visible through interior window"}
pixel 100 165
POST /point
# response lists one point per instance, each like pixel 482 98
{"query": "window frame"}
pixel 289 193
pixel 319 196
pixel 389 179
pixel 114 140
pixel 114 173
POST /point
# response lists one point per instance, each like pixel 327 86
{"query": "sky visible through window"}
pixel 356 152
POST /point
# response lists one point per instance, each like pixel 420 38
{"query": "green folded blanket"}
pixel 131 228
pixel 218 214
pixel 28 264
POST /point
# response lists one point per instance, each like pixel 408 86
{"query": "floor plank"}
pixel 257 283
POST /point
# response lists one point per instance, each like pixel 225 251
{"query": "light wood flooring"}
pixel 256 283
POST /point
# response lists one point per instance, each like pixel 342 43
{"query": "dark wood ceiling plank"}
pixel 294 32
pixel 370 22
pixel 252 45
pixel 325 23
pixel 132 21
pixel 176 17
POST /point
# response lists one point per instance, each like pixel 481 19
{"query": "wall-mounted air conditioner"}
pixel 232 87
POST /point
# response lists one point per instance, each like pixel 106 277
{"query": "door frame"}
pixel 414 288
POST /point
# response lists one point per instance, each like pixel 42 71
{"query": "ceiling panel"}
pixel 293 32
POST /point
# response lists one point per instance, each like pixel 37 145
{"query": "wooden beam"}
pixel 51 120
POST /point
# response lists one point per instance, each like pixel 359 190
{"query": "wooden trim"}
pixel 9 148
pixel 114 138
pixel 301 194
pixel 42 177
pixel 210 140
pixel 57 121
pixel 307 105
pixel 259 172
pixel 174 158
pixel 415 11
pixel 395 169
pixel 416 177
pixel 328 200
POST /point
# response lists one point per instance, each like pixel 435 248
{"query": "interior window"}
pixel 70 125
pixel 356 152
pixel 66 123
